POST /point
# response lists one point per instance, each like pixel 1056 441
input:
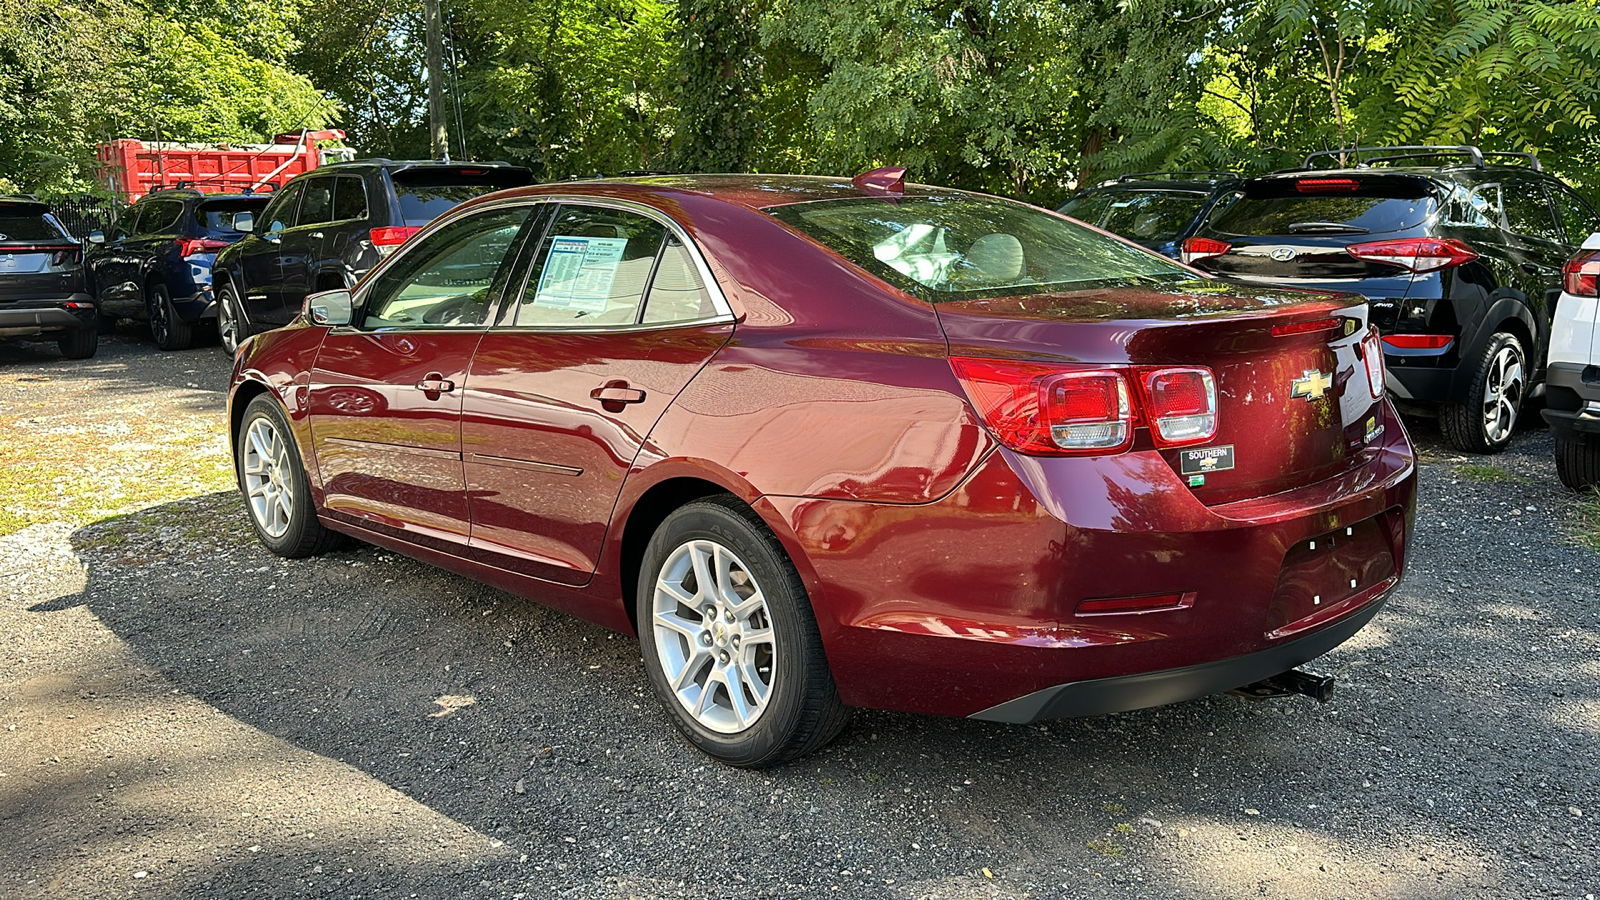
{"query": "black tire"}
pixel 1578 461
pixel 1468 427
pixel 802 711
pixel 302 534
pixel 232 329
pixel 80 343
pixel 170 331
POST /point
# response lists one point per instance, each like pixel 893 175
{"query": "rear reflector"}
pixel 1181 406
pixel 388 238
pixel 1416 254
pixel 1327 185
pixel 1327 324
pixel 1371 353
pixel 1198 248
pixel 1418 341
pixel 1580 277
pixel 1152 603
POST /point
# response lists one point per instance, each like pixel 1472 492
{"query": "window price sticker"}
pixel 578 273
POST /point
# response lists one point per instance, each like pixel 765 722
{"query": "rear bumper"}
pixel 23 318
pixel 195 307
pixel 1418 383
pixel 969 606
pixel 1572 399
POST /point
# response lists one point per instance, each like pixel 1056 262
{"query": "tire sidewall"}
pixel 302 515
pixel 228 306
pixel 793 630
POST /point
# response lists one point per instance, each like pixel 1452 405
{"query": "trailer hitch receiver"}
pixel 1294 681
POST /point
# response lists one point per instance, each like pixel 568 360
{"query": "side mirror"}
pixel 328 308
pixel 244 222
pixel 97 236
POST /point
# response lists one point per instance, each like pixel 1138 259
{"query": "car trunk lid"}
pixel 1294 405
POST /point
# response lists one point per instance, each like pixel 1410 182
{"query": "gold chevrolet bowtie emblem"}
pixel 1312 385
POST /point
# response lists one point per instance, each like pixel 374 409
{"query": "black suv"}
pixel 1458 260
pixel 41 280
pixel 156 262
pixel 1155 209
pixel 326 228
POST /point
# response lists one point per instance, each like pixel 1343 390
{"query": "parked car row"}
pixel 1459 252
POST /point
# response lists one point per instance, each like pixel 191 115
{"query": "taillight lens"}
pixel 1198 248
pixel 1580 277
pixel 63 258
pixel 1046 410
pixel 1372 358
pixel 1181 405
pixel 191 246
pixel 388 238
pixel 1416 254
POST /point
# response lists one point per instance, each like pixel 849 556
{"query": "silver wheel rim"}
pixel 266 477
pixel 1502 394
pixel 225 325
pixel 713 636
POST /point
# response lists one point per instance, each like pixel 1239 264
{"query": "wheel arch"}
pixel 643 518
pixel 1508 314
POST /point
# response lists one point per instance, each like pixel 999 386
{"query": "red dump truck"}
pixel 133 168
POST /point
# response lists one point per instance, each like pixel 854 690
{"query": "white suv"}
pixel 1572 394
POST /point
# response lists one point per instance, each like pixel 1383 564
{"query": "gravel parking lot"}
pixel 184 715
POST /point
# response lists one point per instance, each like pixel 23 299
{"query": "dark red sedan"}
pixel 825 443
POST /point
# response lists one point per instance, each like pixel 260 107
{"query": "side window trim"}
pixel 724 311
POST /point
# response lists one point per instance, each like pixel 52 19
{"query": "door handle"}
pixel 315 234
pixel 1536 269
pixel 617 393
pixel 434 383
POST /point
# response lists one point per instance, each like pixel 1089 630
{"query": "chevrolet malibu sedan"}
pixel 826 443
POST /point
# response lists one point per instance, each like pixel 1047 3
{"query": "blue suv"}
pixel 155 265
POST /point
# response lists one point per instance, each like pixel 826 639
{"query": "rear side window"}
pixel 1473 207
pixel 677 293
pixel 216 216
pixel 1528 210
pixel 1152 215
pixel 591 269
pixel 160 216
pixel 429 192
pixel 1283 209
pixel 317 205
pixel 23 225
pixel 349 198
pixel 968 247
pixel 1577 216
pixel 1087 207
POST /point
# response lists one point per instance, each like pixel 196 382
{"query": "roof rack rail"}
pixel 1360 159
pixel 1202 174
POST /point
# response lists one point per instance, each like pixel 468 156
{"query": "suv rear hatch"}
pixel 1293 396
pixel 1298 230
pixel 426 191
pixel 37 259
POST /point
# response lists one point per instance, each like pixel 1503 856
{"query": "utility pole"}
pixel 436 113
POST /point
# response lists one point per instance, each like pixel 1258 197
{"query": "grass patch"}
pixel 1588 520
pixel 1485 473
pixel 1104 846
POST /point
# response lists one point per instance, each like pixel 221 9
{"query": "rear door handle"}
pixel 1541 271
pixel 616 392
pixel 435 383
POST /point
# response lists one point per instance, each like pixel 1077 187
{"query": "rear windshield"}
pixel 216 216
pixel 959 248
pixel 425 194
pixel 1282 208
pixel 21 225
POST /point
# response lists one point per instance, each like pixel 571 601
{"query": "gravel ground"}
pixel 184 715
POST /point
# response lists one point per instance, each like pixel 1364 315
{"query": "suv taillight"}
pixel 1048 410
pixel 64 258
pixel 387 239
pixel 1580 277
pixel 1371 351
pixel 191 246
pixel 1197 248
pixel 1416 254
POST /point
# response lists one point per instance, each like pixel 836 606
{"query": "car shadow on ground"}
pixel 536 730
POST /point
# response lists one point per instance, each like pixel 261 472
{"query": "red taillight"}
pixel 1416 254
pixel 1180 406
pixel 1153 603
pixel 1198 248
pixel 1418 341
pixel 1372 358
pixel 191 246
pixel 1047 410
pixel 1580 277
pixel 1327 185
pixel 66 258
pixel 1305 327
pixel 388 238
pixel 1051 410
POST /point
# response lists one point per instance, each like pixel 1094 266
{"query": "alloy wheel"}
pixel 227 325
pixel 159 311
pixel 1502 394
pixel 267 481
pixel 713 635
